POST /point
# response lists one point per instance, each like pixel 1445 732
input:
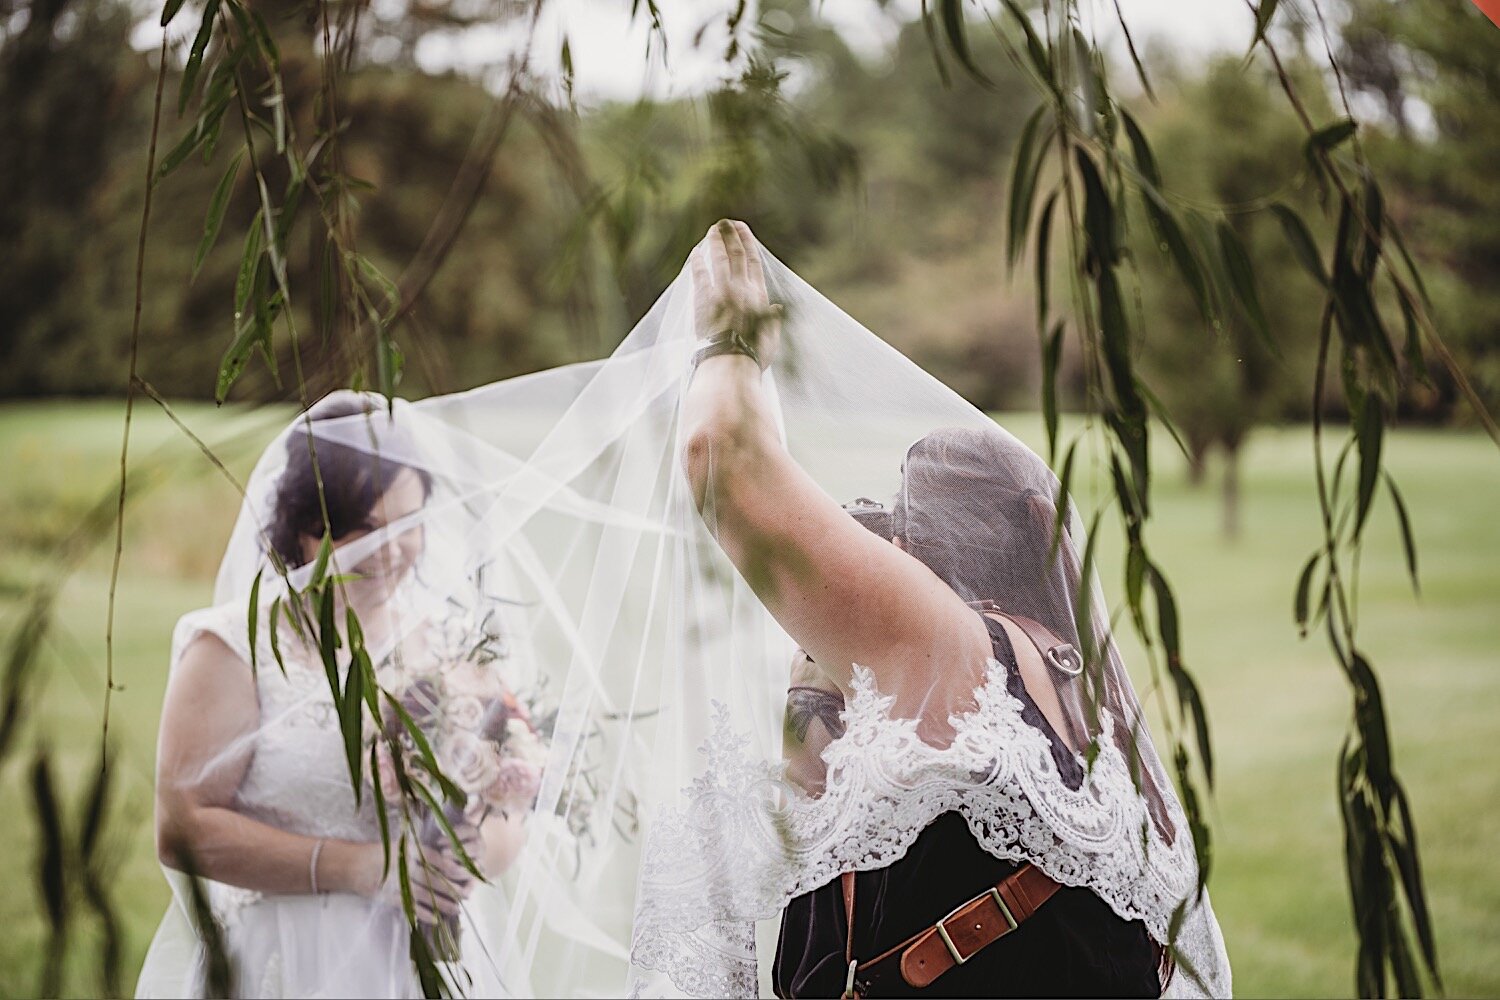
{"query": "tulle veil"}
pixel 666 834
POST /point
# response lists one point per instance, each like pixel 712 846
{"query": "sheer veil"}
pixel 666 834
pixel 665 652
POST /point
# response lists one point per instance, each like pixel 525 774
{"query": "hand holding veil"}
pixel 675 656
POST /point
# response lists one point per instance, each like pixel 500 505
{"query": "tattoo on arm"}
pixel 803 704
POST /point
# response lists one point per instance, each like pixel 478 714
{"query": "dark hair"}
pixel 353 482
pixel 975 508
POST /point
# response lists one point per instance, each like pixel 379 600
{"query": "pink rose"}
pixel 515 786
pixel 472 763
pixel 464 712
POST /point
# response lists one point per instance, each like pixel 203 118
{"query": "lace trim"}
pixel 746 841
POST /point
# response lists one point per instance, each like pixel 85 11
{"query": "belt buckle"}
pixel 942 929
pixel 953 949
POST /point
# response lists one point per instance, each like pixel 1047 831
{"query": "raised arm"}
pixel 842 593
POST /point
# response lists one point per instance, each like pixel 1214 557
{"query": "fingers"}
pixel 718 252
pixel 734 248
pixel 754 270
pixel 438 891
pixel 698 260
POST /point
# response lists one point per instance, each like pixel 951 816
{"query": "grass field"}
pixel 1278 704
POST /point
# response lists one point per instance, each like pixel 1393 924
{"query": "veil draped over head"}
pixel 415 626
pixel 668 829
pixel 672 665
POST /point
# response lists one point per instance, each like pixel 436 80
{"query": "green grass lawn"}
pixel 1278 705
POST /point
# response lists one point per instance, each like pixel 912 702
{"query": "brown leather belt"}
pixel 952 941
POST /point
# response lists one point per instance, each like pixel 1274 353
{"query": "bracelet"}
pixel 312 866
pixel 729 342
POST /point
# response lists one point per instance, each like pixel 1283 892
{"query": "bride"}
pixel 254 791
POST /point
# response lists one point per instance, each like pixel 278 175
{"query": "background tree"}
pixel 1432 74
pixel 1225 140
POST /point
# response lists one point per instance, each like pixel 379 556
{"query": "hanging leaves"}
pixel 1242 280
pixel 1026 167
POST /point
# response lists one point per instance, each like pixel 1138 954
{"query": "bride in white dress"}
pixel 254 791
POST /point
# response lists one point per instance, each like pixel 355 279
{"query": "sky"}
pixel 609 50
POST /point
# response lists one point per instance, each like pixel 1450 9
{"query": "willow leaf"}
pixel 1411 267
pixel 1098 212
pixel 1051 354
pixel 381 816
pixel 1115 334
pixel 328 642
pixel 273 626
pixel 320 561
pixel 216 207
pixel 254 619
pixel 1135 56
pixel 1189 698
pixel 1303 246
pixel 51 860
pixel 1177 245
pixel 1040 61
pixel 1370 432
pixel 194 62
pixel 235 357
pixel 958 39
pixel 244 282
pixel 1331 135
pixel 1369 715
pixel 1408 860
pixel 1242 279
pixel 1024 170
pixel 933 46
pixel 351 724
pixel 1302 602
pixel 1264 12
pixel 1140 149
pixel 1043 250
pixel 1063 503
pixel 1408 544
pixel 1416 362
pixel 446 825
pixel 97 804
pixel 1374 227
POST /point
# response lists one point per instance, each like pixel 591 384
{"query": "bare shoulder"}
pixel 210 678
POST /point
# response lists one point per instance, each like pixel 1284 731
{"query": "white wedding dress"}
pixel 286 945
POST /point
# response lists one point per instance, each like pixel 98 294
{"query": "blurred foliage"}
pixel 873 177
pixel 1227 137
pixel 1434 70
pixel 880 179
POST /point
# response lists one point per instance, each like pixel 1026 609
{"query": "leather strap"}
pixel 1060 655
pixel 983 920
pixel 975 925
pixel 958 937
pixel 851 991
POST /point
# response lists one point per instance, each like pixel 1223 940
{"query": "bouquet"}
pixel 445 682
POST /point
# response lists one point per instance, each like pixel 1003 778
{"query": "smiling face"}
pixel 382 570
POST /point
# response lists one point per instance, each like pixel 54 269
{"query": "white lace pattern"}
pixel 746 842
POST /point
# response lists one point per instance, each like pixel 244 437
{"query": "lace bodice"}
pixel 297 778
pixel 758 842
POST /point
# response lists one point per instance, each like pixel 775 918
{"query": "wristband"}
pixel 729 342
